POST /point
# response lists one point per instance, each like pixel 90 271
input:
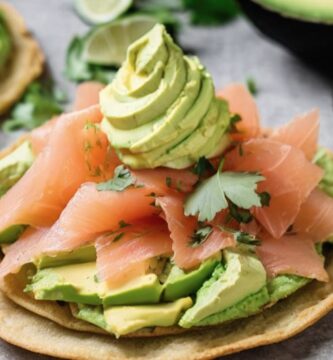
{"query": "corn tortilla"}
pixel 49 328
pixel 38 334
pixel 26 62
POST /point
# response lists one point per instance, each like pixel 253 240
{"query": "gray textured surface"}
pixel 231 53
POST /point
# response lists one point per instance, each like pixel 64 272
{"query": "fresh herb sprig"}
pixel 215 193
pixel 121 180
pixel 39 103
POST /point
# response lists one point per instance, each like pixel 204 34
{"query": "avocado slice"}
pixel 304 27
pixel 78 283
pixel 71 283
pixel 181 284
pixel 14 165
pixel 122 320
pixel 77 256
pixel 145 289
pixel 243 276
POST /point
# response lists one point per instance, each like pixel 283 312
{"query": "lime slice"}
pixel 107 44
pixel 101 11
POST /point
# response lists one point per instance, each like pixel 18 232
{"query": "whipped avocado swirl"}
pixel 161 108
pixel 5 43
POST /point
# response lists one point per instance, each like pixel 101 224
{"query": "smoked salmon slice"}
pixel 315 218
pixel 241 102
pixel 182 228
pixel 76 152
pixel 133 244
pixel 23 251
pixel 87 94
pixel 91 212
pixel 292 254
pixel 290 178
pixel 302 132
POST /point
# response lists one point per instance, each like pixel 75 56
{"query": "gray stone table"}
pixel 231 53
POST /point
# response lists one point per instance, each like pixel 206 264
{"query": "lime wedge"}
pixel 101 11
pixel 107 44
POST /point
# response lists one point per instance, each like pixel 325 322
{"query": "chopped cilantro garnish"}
pixel 118 237
pixel 123 224
pixel 121 180
pixel 234 119
pixel 212 195
pixel 265 198
pixel 246 238
pixel 242 236
pixel 203 166
pixel 240 215
pixel 200 236
pixel 252 86
pixel 168 181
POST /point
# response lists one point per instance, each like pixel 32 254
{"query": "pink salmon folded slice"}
pixel 241 102
pixel 292 254
pixel 302 132
pixel 76 152
pixel 129 247
pixel 182 229
pixel 315 218
pixel 87 94
pixel 290 178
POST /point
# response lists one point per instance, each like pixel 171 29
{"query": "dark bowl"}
pixel 311 41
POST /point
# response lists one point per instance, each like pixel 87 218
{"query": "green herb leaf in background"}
pixel 39 104
pixel 121 180
pixel 77 69
pixel 211 12
pixel 252 86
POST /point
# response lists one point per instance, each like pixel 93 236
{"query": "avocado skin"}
pixel 310 41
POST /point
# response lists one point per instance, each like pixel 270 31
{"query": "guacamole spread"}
pixel 161 109
pixel 324 159
pixel 5 43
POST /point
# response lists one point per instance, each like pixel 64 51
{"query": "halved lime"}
pixel 107 44
pixel 101 11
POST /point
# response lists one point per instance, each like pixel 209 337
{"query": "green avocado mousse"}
pixel 5 43
pixel 161 108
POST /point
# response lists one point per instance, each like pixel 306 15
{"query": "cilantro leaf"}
pixel 38 104
pixel 212 195
pixel 121 180
pixel 200 236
